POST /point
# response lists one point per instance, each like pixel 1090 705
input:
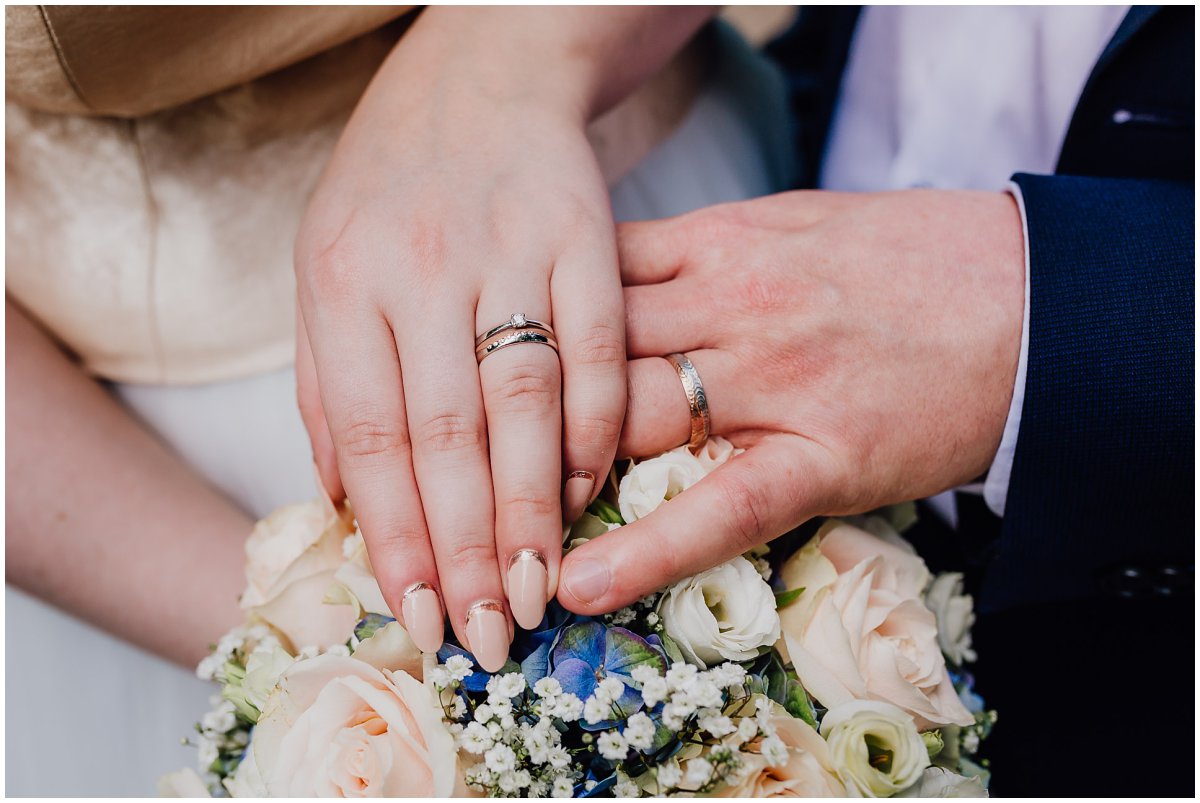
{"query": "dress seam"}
pixel 61 56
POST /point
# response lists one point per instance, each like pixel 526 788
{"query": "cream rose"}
pixel 861 631
pixel 338 727
pixel 875 747
pixel 809 770
pixel 938 782
pixel 726 613
pixel 651 482
pixel 182 783
pixel 356 584
pixel 291 558
pixel 955 615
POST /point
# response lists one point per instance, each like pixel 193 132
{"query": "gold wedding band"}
pixel 517 329
pixel 697 400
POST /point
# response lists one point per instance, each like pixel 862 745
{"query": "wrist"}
pixel 573 62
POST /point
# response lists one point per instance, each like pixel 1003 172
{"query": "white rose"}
pixel 183 783
pixel 875 747
pixel 651 482
pixel 861 629
pixel 955 616
pixel 263 668
pixel 726 613
pixel 939 782
pixel 246 780
pixel 338 727
pixel 291 558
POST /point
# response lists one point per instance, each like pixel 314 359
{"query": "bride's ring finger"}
pixel 670 405
pixel 521 378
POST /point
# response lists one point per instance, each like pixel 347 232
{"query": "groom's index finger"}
pixel 650 251
pixel 746 502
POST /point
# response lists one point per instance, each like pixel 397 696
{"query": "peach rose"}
pixel 808 772
pixel 338 727
pixel 291 558
pixel 860 630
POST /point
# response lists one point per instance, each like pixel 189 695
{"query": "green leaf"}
pixel 606 512
pixel 625 650
pixel 797 703
pixel 369 624
pixel 672 649
pixel 242 706
pixel 901 516
pixel 786 598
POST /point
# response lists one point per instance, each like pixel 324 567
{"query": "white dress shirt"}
pixel 962 98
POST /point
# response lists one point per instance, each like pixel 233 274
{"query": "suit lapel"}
pixel 1134 20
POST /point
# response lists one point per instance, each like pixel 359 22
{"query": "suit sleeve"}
pixel 1101 492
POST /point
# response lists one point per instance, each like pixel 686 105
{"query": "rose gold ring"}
pixel 697 399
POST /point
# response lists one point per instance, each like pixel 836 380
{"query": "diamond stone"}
pixel 518 320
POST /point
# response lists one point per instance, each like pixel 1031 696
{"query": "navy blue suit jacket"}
pixel 1101 497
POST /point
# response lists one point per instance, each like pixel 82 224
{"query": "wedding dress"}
pixel 90 715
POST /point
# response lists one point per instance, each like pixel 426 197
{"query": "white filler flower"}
pixel 726 613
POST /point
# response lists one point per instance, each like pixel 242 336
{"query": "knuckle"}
pixel 758 293
pixel 470 553
pixel 600 346
pixel 528 388
pixel 744 505
pixel 370 435
pixel 331 271
pixel 452 432
pixel 404 538
pixel 594 432
pixel 524 504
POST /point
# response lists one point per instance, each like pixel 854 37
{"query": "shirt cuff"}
pixel 995 487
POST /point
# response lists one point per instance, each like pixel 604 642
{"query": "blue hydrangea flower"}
pixel 588 652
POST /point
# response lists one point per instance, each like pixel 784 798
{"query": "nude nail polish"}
pixel 487 634
pixel 527 586
pixel 577 493
pixel 423 619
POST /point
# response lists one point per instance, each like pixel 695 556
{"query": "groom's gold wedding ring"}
pixel 517 329
pixel 697 399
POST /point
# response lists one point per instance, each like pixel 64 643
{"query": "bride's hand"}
pixel 861 347
pixel 462 191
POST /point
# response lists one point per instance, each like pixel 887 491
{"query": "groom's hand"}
pixel 862 348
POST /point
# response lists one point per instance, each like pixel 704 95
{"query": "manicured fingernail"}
pixel 423 617
pixel 527 587
pixel 576 494
pixel 587 580
pixel 487 634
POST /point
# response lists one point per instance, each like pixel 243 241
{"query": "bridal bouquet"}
pixel 831 670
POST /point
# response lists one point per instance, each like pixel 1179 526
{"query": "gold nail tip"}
pixel 527 554
pixel 587 475
pixel 485 605
pixel 415 587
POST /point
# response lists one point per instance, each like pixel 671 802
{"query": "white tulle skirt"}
pixel 87 714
